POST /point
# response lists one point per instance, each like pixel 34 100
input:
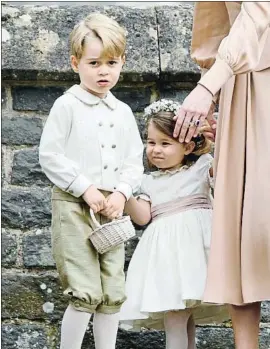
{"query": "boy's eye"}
pixel 150 142
pixel 93 63
pixel 165 143
pixel 112 62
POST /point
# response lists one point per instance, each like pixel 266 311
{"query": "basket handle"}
pixel 94 218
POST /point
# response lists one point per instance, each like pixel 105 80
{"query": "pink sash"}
pixel 189 202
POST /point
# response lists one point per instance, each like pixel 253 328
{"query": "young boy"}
pixel 91 150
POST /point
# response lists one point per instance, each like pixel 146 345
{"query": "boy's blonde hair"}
pixel 97 25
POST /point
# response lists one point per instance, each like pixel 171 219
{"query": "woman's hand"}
pixel 192 114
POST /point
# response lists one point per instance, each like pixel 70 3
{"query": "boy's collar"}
pixel 90 99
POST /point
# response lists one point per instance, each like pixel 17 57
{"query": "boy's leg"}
pixel 74 325
pixel 113 285
pixel 77 263
pixel 105 329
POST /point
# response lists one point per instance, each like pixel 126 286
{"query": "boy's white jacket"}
pixel 87 140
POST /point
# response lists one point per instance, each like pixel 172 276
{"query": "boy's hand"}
pixel 95 199
pixel 115 205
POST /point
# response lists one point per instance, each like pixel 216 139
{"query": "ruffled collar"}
pixel 90 99
pixel 169 172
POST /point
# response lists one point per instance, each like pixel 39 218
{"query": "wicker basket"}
pixel 106 236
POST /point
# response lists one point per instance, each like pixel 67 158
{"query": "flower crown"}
pixel 162 105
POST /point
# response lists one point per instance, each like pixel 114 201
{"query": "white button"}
pixel 106 166
pixel 111 125
pixel 116 169
pixel 100 124
pixel 102 145
pixel 113 146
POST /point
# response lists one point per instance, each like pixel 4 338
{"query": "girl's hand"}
pixel 209 132
pixel 115 205
pixel 94 198
pixel 209 127
pixel 192 114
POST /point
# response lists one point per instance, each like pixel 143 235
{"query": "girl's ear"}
pixel 189 147
pixel 74 63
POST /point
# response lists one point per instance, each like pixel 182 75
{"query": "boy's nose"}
pixel 103 72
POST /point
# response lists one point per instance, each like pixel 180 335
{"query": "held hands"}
pixel 196 107
pixel 95 199
pixel 115 204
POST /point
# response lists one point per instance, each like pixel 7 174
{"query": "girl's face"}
pixel 163 151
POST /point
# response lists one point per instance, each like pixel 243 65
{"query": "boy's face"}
pixel 98 75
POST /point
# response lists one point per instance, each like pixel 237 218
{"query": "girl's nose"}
pixel 156 149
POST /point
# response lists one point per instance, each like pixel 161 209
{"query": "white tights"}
pixel 180 330
pixel 75 323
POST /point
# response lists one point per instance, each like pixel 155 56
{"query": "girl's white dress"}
pixel 168 268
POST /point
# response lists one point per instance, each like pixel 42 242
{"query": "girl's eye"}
pixel 94 63
pixel 112 62
pixel 150 143
pixel 165 143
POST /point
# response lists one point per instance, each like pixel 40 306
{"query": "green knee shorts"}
pixel 93 282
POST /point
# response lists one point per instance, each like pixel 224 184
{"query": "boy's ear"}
pixel 124 59
pixel 189 147
pixel 74 63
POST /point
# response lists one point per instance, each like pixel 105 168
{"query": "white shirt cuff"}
pixel 125 189
pixel 217 76
pixel 78 186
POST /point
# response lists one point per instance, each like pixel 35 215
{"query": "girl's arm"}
pixel 139 210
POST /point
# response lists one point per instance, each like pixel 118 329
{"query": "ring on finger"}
pixel 194 123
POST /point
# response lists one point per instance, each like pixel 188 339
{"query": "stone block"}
pixel 178 95
pixel 38 37
pixel 175 29
pixel 136 97
pixel 35 98
pixel 3 97
pixel 24 336
pixel 36 248
pixel 26 169
pixel 266 312
pixel 25 209
pixel 21 130
pixel 9 249
pixel 32 297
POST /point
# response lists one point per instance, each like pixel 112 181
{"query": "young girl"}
pixel 167 273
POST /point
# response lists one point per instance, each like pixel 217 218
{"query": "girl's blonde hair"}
pixel 163 121
pixel 97 25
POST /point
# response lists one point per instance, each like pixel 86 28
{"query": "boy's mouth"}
pixel 103 82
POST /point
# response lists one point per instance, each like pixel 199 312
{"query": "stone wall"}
pixel 35 71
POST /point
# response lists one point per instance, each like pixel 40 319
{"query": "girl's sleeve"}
pixel 227 52
pixel 204 164
pixel 143 192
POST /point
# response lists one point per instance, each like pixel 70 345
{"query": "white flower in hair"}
pixel 162 105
